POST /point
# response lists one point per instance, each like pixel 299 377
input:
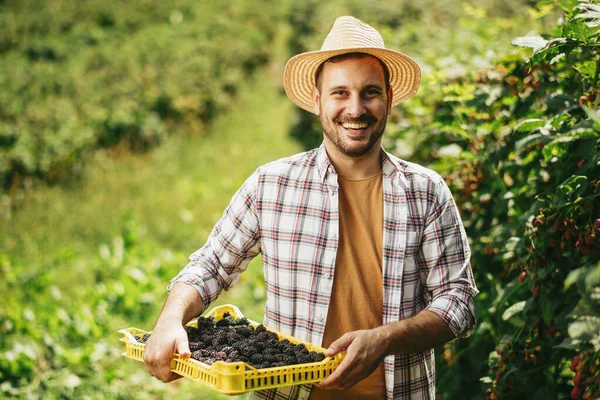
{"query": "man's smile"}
pixel 354 125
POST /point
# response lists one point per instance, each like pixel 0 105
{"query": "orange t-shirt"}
pixel 357 293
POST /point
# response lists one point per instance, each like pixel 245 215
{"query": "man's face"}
pixel 353 105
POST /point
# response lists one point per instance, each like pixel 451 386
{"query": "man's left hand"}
pixel 365 350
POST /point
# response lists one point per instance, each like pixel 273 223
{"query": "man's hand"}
pixel 365 350
pixel 168 338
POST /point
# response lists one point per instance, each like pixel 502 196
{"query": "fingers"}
pixel 364 353
pixel 183 348
pixel 333 380
pixel 341 344
pixel 159 350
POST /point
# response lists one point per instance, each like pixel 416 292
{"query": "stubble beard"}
pixel 329 130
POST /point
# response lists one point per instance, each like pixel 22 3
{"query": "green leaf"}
pixel 590 13
pixel 585 328
pixel 554 149
pixel 574 186
pixel 529 125
pixel 513 310
pixel 548 311
pixel 558 101
pixel 567 5
pixel 534 42
pixel 592 114
pixel 574 277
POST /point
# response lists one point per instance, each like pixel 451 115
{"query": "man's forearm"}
pixel 419 333
pixel 183 303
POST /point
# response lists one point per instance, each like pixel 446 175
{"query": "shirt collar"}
pixel 389 165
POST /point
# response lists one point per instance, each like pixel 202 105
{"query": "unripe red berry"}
pixel 499 376
pixel 576 392
pixel 522 276
pixel 575 362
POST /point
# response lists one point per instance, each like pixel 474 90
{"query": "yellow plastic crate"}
pixel 239 377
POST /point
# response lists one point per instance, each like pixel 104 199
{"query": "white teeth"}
pixel 362 125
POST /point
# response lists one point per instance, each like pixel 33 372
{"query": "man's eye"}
pixel 372 93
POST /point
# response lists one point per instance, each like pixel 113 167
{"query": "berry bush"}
pixel 519 143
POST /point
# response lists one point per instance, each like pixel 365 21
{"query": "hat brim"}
pixel 299 74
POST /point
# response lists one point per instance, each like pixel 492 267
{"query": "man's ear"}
pixel 390 98
pixel 316 100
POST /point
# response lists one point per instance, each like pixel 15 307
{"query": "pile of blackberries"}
pixel 232 340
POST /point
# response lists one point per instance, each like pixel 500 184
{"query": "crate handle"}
pixel 128 335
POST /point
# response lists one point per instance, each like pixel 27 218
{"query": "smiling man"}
pixel 362 251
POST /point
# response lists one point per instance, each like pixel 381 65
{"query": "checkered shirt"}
pixel 288 210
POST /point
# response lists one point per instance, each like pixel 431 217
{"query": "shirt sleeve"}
pixel 232 244
pixel 445 264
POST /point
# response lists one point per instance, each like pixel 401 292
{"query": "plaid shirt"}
pixel 288 211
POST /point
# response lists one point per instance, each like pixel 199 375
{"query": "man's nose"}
pixel 356 106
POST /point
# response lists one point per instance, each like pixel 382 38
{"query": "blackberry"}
pixel 247 350
pixel 315 356
pixel 244 331
pixel 233 337
pixel 142 339
pixel 227 321
pixel 205 323
pixel 259 346
pixel 288 360
pixel 257 358
pixel 304 359
pixel 221 356
pixel 233 356
pixel 242 321
pixel 238 345
pixel 190 330
pixel 270 358
pixel 259 329
pixel 272 351
pixel 195 346
pixel 261 337
pixel 289 351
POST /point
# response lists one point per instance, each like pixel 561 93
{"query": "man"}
pixel 361 251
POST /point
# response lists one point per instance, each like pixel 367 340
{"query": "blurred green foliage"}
pixel 90 83
pixel 81 75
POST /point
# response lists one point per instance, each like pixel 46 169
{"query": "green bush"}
pixel 519 144
pixel 77 76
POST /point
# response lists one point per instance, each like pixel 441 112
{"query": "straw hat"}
pixel 350 35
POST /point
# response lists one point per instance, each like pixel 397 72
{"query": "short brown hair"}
pixel 347 56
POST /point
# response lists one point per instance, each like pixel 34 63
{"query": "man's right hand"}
pixel 168 338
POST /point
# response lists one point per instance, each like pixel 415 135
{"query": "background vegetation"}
pixel 125 127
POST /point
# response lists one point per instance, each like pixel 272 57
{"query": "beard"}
pixel 335 133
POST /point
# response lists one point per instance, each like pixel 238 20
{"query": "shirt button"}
pixel 321 318
pixel 327 275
